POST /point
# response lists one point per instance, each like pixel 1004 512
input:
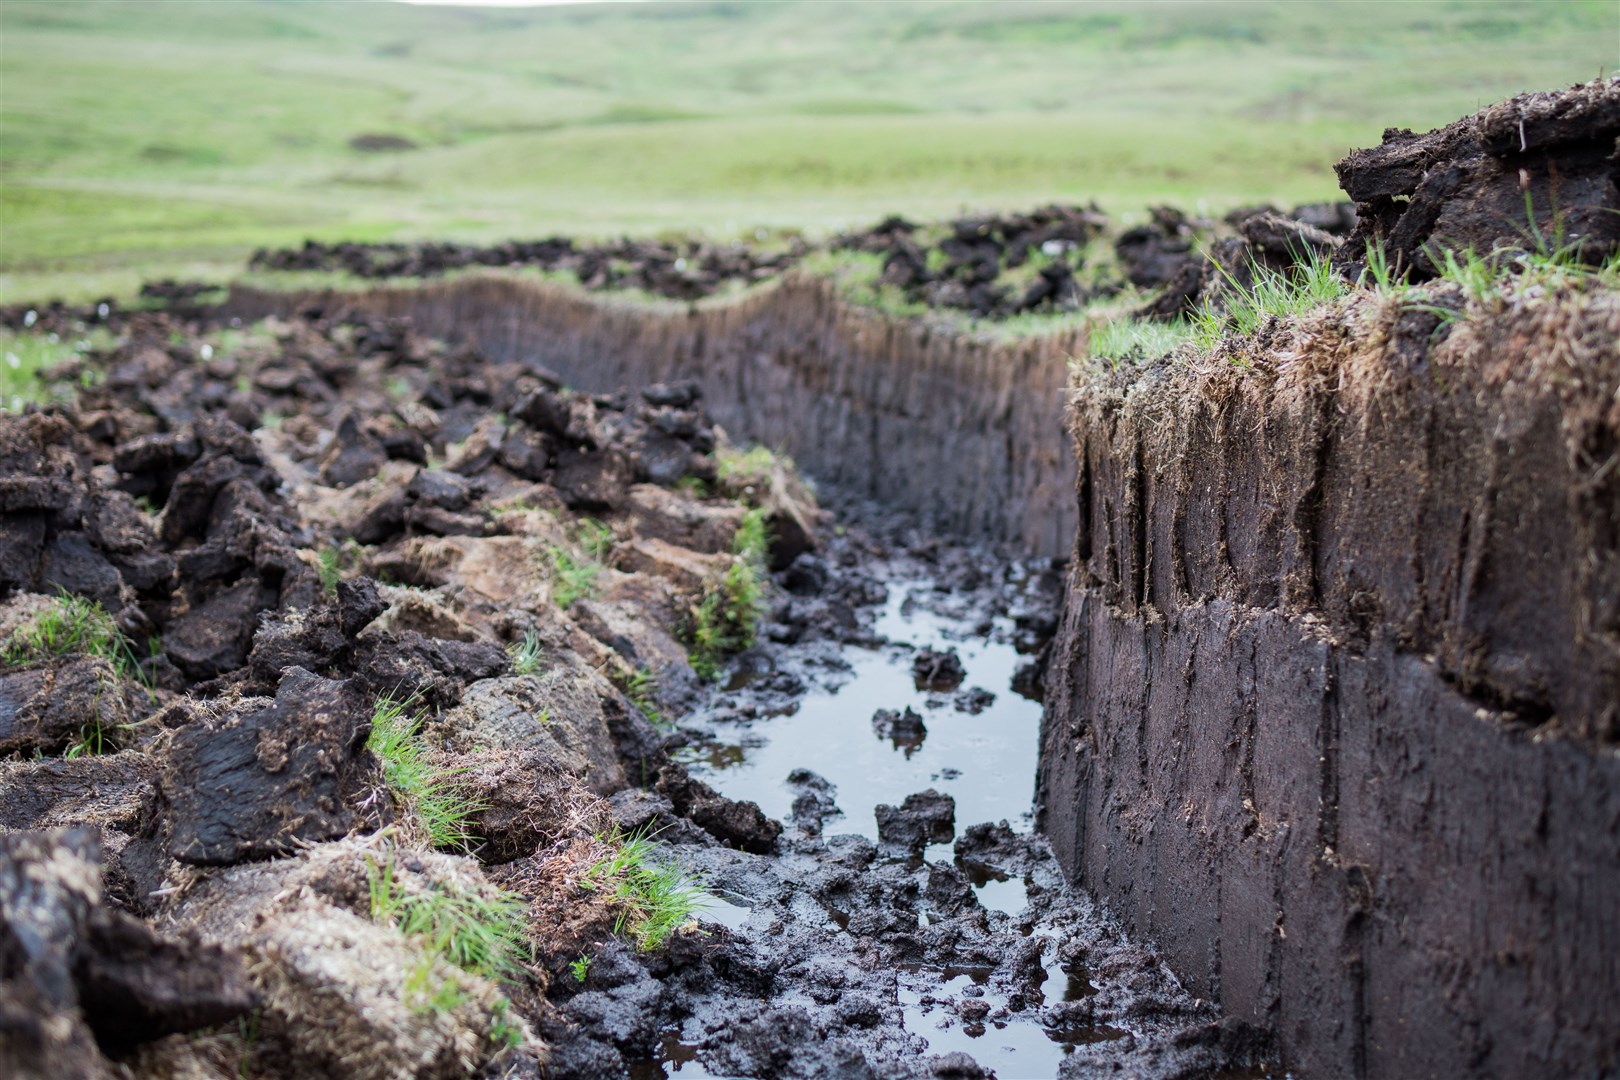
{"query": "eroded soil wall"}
pixel 963 432
pixel 1334 710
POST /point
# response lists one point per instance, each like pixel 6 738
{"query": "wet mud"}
pixel 302 521
pixel 910 922
pixel 1310 647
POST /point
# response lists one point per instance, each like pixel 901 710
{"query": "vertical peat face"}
pixel 1334 710
pixel 963 432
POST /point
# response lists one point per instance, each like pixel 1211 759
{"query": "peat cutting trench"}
pixel 1239 714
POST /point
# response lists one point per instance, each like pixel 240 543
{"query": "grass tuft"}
pixel 575 566
pixel 480 934
pixel 751 469
pixel 1135 340
pixel 642 690
pixel 654 898
pixel 525 653
pixel 1244 309
pixel 502 1031
pixel 71 624
pixel 483 935
pixel 693 487
pixel 427 791
pixel 329 565
pixel 724 621
pixel 1380 273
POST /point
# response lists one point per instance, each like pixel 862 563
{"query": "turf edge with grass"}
pixel 71 625
pixel 430 794
pixel 724 621
pixel 483 935
pixel 654 898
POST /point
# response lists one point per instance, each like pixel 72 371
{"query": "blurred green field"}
pixel 150 139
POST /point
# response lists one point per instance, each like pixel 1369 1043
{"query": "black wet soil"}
pixel 312 515
pixel 909 924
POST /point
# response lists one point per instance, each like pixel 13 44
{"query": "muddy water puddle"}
pixel 983 756
pixel 1010 1047
pixel 985 761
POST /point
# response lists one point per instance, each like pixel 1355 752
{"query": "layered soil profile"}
pixel 1334 710
pixel 963 432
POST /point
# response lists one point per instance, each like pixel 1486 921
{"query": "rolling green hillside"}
pixel 171 138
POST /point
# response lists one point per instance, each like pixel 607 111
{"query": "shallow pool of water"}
pixel 986 762
pixel 1012 1047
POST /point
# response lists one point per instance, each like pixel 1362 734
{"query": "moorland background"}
pixel 151 139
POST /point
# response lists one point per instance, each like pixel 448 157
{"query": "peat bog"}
pixel 437 678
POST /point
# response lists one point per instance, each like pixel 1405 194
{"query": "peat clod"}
pixel 1534 173
pixel 974 700
pixel 680 270
pixel 1279 242
pixel 322 639
pixel 1154 254
pixel 556 716
pixel 992 266
pixel 221 552
pixel 355 455
pixel 342 992
pixel 990 843
pixel 107 791
pixel 905 729
pixel 937 669
pixel 268 776
pixel 135 986
pixel 922 819
pixel 115 795
pixel 410 665
pixel 813 801
pixel 526 801
pixel 738 824
pixel 49 704
pixel 76 975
